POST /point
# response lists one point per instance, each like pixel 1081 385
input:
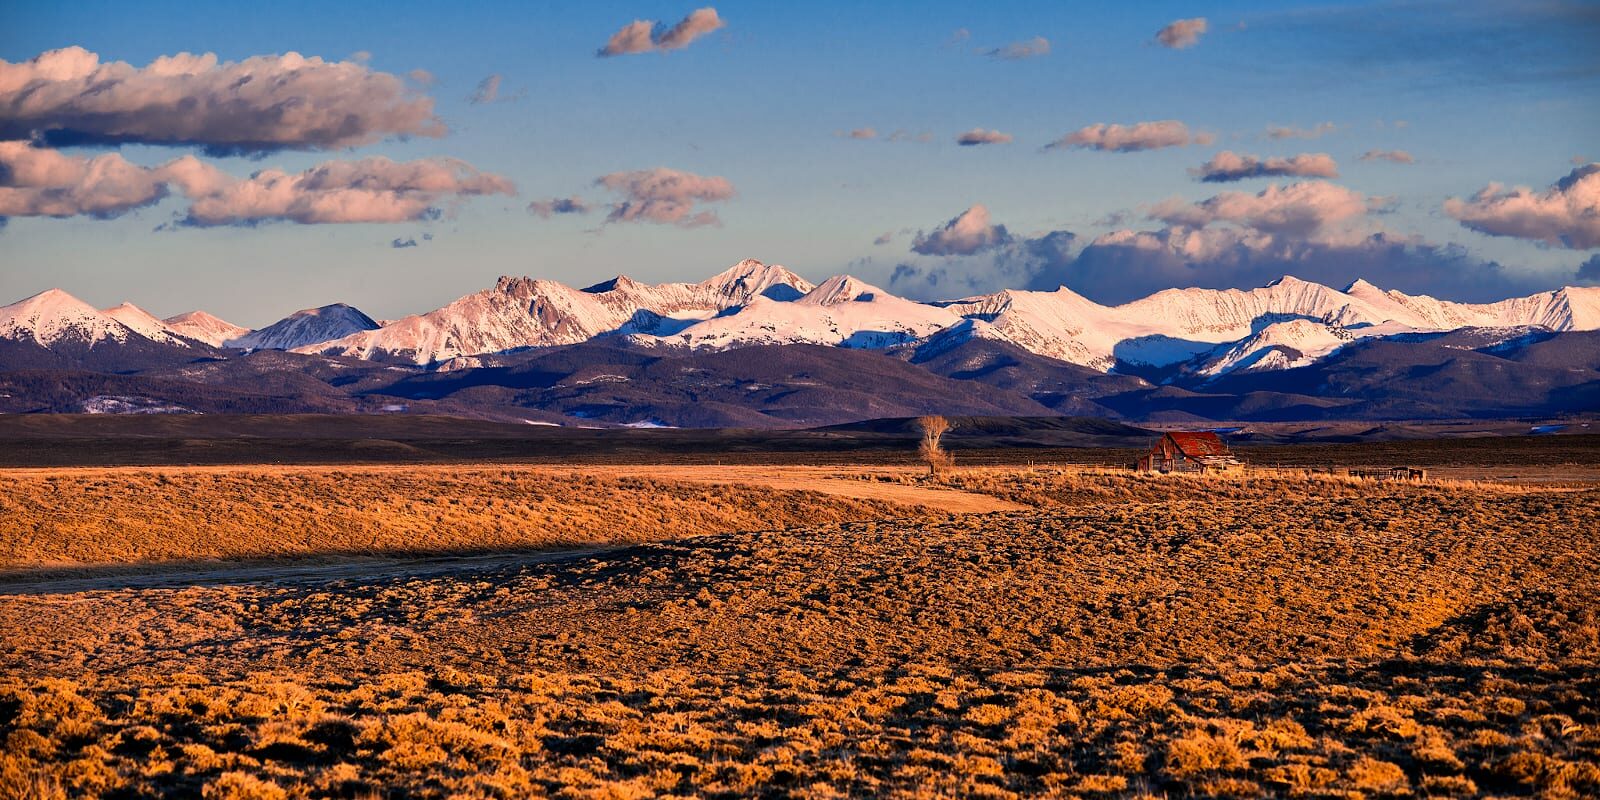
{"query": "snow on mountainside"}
pixel 145 324
pixel 1570 308
pixel 306 327
pixel 841 311
pixel 1175 325
pixel 524 312
pixel 1204 332
pixel 203 327
pixel 52 317
pixel 1281 345
pixel 753 303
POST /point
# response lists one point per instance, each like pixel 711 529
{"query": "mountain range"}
pixel 758 346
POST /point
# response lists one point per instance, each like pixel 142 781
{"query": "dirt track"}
pixel 828 480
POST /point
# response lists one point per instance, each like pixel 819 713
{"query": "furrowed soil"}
pixel 1111 635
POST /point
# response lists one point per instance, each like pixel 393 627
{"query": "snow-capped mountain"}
pixel 54 330
pixel 842 311
pixel 1281 345
pixel 203 327
pixel 524 312
pixel 1203 333
pixel 758 346
pixel 145 324
pixel 752 304
pixel 52 317
pixel 306 327
pixel 1176 325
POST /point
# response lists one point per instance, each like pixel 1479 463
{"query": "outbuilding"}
pixel 1189 451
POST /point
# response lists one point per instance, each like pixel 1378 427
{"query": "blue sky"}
pixel 1476 93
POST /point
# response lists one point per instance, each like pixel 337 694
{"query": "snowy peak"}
pixel 842 312
pixel 842 289
pixel 145 324
pixel 53 316
pixel 750 278
pixel 1289 322
pixel 203 327
pixel 307 327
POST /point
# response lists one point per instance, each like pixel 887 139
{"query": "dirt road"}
pixel 838 481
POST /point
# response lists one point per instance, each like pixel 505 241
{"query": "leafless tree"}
pixel 933 429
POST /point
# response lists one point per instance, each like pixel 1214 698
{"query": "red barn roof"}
pixel 1198 444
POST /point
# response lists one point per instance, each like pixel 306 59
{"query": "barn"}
pixel 1189 451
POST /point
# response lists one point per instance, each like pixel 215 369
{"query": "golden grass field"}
pixel 1105 635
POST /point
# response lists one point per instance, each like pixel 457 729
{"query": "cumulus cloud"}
pixel 558 205
pixel 401 244
pixel 644 36
pixel 1124 265
pixel 884 238
pixel 1017 51
pixel 1314 230
pixel 1182 33
pixel 367 190
pixel 665 196
pixel 1130 138
pixel 37 181
pixel 978 136
pixel 1564 215
pixel 969 232
pixel 971 254
pixel 257 105
pixel 40 182
pixel 1228 166
pixel 859 133
pixel 1299 209
pixel 488 89
pixel 1316 131
pixel 1392 156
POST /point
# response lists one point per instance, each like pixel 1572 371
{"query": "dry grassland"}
pixel 1126 637
pixel 78 517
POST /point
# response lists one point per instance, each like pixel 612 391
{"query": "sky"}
pixel 254 159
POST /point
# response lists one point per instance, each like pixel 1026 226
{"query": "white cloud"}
pixel 664 195
pixel 1182 33
pixel 260 104
pixel 978 136
pixel 644 36
pixel 1229 166
pixel 969 232
pixel 1130 138
pixel 1564 215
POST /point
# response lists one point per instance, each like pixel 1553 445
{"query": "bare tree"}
pixel 933 429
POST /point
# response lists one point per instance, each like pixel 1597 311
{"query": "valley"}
pixel 726 631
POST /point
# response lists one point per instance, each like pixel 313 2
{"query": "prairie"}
pixel 78 517
pixel 1111 635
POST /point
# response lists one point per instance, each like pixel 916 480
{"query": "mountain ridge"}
pixel 752 303
pixel 758 346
